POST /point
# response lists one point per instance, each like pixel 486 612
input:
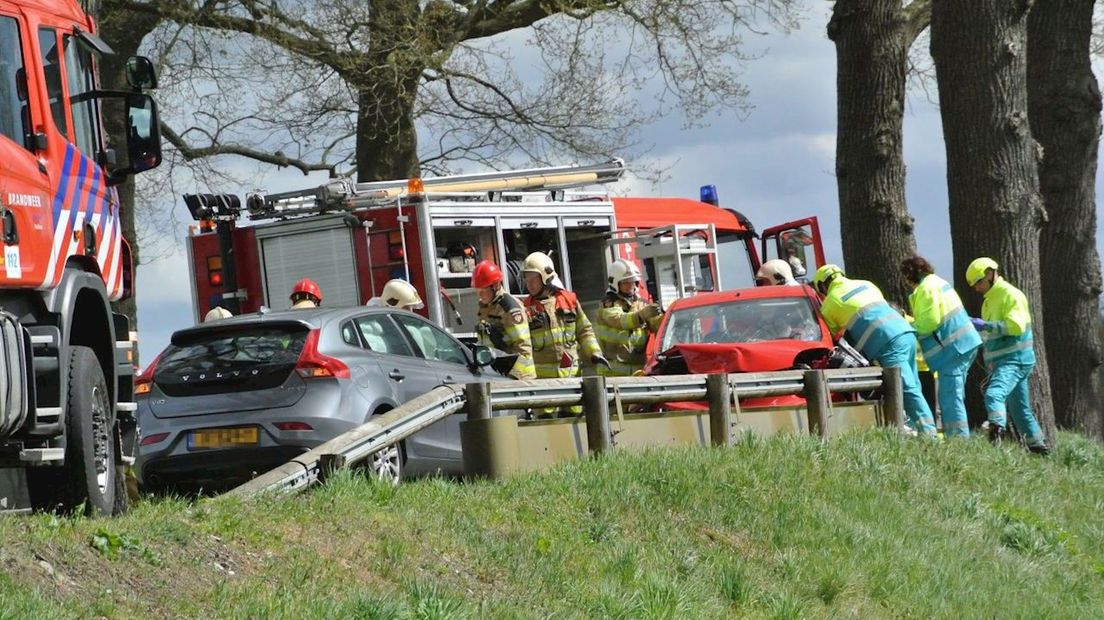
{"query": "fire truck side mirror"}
pixel 140 73
pixel 143 133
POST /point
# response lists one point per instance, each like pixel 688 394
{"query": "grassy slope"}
pixel 870 525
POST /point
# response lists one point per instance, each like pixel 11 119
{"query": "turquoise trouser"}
pixel 1008 386
pixel 901 353
pixel 952 394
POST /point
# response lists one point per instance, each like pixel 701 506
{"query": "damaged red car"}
pixel 760 329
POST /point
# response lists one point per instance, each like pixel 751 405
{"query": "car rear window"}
pixel 743 321
pixel 244 358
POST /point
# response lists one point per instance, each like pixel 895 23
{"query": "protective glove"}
pixel 649 312
pixel 980 324
pixel 599 360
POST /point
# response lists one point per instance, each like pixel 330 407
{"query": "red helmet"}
pixel 306 287
pixel 486 273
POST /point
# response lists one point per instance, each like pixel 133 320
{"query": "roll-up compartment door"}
pixel 325 256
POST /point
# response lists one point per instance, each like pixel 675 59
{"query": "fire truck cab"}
pixel 351 238
pixel 66 369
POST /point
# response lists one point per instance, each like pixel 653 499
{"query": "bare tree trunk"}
pixel 124 31
pixel 980 53
pixel 872 38
pixel 386 138
pixel 1064 107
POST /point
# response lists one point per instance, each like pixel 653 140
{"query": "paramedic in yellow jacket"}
pixel 502 320
pixel 624 321
pixel 558 327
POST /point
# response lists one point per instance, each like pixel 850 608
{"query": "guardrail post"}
pixel 328 464
pixel 477 397
pixel 817 402
pixel 719 395
pixel 596 410
pixel 893 398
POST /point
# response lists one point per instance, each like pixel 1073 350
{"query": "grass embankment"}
pixel 869 525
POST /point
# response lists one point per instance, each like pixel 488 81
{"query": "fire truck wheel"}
pixel 90 474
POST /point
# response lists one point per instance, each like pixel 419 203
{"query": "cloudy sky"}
pixel 775 165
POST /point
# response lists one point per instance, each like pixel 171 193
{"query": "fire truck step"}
pixel 47 415
pixel 41 455
pixel 126 407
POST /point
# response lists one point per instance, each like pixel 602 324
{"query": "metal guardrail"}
pixel 352 447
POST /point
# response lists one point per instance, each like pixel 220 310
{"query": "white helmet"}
pixel 775 271
pixel 539 262
pixel 400 294
pixel 217 313
pixel 621 270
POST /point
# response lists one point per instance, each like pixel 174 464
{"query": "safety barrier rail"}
pixel 595 394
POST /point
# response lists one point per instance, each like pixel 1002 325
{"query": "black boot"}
pixel 996 433
pixel 1041 450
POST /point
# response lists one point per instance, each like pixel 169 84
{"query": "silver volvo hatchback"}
pixel 231 399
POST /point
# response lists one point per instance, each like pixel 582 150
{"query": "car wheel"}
pixel 387 464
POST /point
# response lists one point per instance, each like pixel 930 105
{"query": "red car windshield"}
pixel 742 321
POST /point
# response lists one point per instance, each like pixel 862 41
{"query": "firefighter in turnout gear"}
pixel 502 320
pixel 624 321
pixel 558 327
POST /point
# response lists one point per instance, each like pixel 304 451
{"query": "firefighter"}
pixel 775 272
pixel 948 342
pixel 558 327
pixel 1005 327
pixel 624 321
pixel 502 320
pixel 858 308
pixel 217 313
pixel 306 294
pixel 398 293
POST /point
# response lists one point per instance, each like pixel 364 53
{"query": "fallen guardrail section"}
pixel 495 446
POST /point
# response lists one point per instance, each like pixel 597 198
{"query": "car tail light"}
pixel 293 426
pixel 154 438
pixel 144 382
pixel 314 365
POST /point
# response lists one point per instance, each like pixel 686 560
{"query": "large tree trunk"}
pixel 871 59
pixel 124 31
pixel 386 138
pixel 1064 108
pixel 980 54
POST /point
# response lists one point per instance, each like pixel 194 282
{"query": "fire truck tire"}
pixel 90 474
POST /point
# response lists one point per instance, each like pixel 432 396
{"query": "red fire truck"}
pixel 353 237
pixel 66 373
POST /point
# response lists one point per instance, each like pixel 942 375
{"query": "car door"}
pixel 408 375
pixel 450 360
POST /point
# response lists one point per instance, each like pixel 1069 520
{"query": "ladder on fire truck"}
pixel 345 195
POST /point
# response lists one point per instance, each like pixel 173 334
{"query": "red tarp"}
pixel 632 212
pixel 749 357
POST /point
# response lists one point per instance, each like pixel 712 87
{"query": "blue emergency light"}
pixel 709 195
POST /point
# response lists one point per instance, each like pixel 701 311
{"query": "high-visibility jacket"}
pixel 942 325
pixel 560 331
pixel 504 325
pixel 1006 306
pixel 622 334
pixel 858 308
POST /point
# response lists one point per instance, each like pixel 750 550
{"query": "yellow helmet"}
pixel 541 263
pixel 976 271
pixel 826 272
pixel 400 294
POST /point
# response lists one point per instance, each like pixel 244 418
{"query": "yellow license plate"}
pixel 223 438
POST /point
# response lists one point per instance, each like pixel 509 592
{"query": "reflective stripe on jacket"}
pixel 623 335
pixel 1006 306
pixel 506 327
pixel 942 325
pixel 558 329
pixel 858 307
